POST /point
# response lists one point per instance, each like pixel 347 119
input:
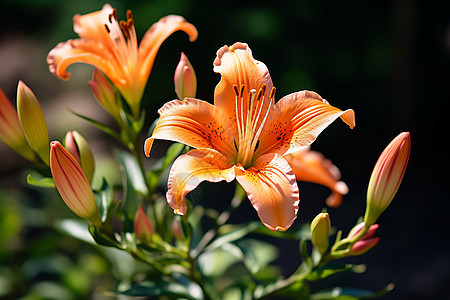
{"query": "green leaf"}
pixel 133 171
pixel 217 261
pixel 131 182
pixel 101 238
pixel 44 182
pixel 156 288
pixel 327 270
pixel 99 125
pixel 257 254
pixel 76 228
pixel 103 198
pixel 350 293
pixel 232 233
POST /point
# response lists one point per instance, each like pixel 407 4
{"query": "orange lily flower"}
pixel 244 136
pixel 312 166
pixel 102 44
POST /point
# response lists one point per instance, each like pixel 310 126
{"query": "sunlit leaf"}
pixel 350 293
pixel 77 228
pixel 99 125
pixel 257 254
pixel 103 198
pixel 156 288
pixel 44 182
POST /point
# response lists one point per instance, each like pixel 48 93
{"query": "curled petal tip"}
pixel 148 146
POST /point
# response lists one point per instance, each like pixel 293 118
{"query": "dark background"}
pixel 387 60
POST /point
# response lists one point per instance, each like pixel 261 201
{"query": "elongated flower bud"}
pixel 11 132
pixel 72 184
pixel 143 227
pixel 79 148
pixel 185 79
pixel 387 176
pixel 33 122
pixel 320 229
pixel 105 94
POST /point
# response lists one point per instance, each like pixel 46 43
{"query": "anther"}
pixel 107 29
pixel 272 92
pixel 242 91
pixel 129 15
pixel 236 91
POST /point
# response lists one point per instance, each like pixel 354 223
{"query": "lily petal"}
pixel 190 169
pixel 157 34
pixel 296 120
pixel 272 189
pixel 87 26
pixel 195 123
pixel 238 67
pixel 88 51
pixel 312 166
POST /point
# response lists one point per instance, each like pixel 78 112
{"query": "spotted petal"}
pixel 190 169
pixel 238 67
pixel 296 120
pixel 195 123
pixel 272 189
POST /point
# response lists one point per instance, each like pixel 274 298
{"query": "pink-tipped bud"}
pixel 185 79
pixel 72 184
pixel 320 229
pixel 387 176
pixel 366 241
pixel 361 247
pixel 143 226
pixel 105 94
pixel 80 150
pixel 33 122
pixel 11 132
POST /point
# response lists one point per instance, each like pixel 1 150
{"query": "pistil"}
pixel 250 129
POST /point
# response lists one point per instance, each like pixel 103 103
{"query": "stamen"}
pixel 272 92
pixel 261 92
pixel 125 28
pixel 129 15
pixel 242 91
pixel 236 91
pixel 107 29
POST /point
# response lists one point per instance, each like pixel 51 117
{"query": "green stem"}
pixel 221 220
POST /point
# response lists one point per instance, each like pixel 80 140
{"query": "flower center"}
pixel 250 119
pixel 124 49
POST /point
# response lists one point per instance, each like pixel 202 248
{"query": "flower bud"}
pixel 11 132
pixel 366 241
pixel 185 79
pixel 105 94
pixel 33 122
pixel 387 176
pixel 143 226
pixel 320 229
pixel 79 148
pixel 72 184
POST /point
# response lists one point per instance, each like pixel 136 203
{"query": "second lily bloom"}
pixel 112 47
pixel 244 136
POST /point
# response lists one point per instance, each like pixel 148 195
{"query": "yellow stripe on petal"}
pixel 195 123
pixel 272 189
pixel 297 120
pixel 190 169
